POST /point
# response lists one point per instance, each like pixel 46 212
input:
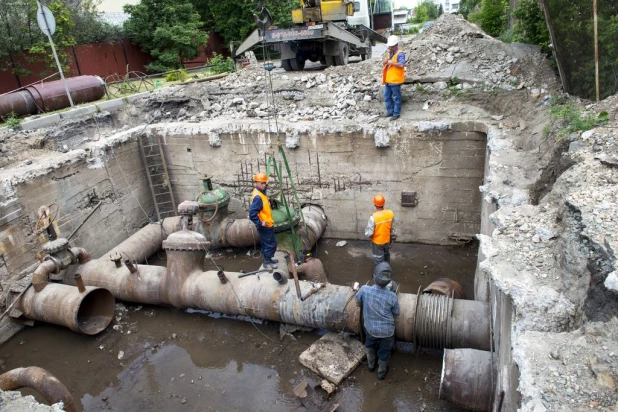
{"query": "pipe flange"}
pixel 55 246
pixel 186 240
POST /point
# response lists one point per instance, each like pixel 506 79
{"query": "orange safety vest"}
pixel 383 220
pixel 392 74
pixel 265 215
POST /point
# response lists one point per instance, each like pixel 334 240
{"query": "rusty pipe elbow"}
pixel 40 380
pixel 81 255
pixel 41 274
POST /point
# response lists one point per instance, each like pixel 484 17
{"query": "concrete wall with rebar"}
pixel 342 169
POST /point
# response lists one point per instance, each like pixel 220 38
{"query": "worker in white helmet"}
pixel 393 76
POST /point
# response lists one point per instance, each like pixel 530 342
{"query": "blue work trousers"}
pixel 384 346
pixel 392 99
pixel 268 242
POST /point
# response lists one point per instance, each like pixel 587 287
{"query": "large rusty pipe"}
pixel 140 287
pixel 466 378
pixel 50 96
pixel 41 381
pixel 89 312
pixel 437 322
pixel 146 241
pixel 315 221
pixel 226 232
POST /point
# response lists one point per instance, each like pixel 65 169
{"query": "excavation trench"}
pixel 431 180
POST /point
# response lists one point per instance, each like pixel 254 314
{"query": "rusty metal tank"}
pixel 50 96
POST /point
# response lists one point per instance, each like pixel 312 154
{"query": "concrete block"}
pixel 334 356
pixel 79 112
pixel 45 121
pixel 111 104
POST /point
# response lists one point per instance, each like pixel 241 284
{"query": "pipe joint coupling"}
pixel 80 255
pixel 58 264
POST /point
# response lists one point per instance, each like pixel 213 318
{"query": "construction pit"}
pixel 473 165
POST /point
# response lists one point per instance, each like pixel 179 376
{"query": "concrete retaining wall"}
pixel 343 171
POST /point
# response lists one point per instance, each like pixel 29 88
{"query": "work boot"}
pixel 270 263
pixel 371 359
pixel 382 369
pixel 274 260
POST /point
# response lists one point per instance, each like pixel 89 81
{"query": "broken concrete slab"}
pixel 334 356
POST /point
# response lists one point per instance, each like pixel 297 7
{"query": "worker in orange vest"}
pixel 381 230
pixel 261 215
pixel 393 75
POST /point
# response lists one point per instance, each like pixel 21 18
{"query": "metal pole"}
pixel 51 42
pixel 596 49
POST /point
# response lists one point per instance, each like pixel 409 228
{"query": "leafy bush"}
pixel 531 27
pixel 468 6
pixel 221 64
pixel 176 75
pixel 493 16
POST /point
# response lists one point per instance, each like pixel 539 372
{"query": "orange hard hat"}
pixel 379 200
pixel 260 177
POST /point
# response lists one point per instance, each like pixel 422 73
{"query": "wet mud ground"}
pixel 157 358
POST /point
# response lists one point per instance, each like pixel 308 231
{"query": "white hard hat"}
pixel 392 41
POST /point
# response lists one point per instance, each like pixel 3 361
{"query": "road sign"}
pixel 47 23
pixel 46 20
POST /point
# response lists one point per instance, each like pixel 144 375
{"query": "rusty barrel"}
pixel 50 96
pixel 466 378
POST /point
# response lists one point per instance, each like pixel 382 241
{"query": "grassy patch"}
pixel 571 119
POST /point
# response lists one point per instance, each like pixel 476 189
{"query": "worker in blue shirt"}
pixel 380 307
pixel 261 215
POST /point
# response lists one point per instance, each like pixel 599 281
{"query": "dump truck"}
pixel 328 31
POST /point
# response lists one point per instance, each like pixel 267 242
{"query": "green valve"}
pixel 213 198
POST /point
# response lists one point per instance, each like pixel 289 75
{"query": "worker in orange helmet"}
pixel 261 215
pixel 381 230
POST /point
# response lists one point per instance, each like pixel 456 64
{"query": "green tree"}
pixel 234 20
pixel 426 11
pixel 440 10
pixel 169 30
pixel 493 16
pixel 467 6
pixel 530 26
pixel 574 39
pixel 19 30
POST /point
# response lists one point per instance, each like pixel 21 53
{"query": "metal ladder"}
pixel 153 159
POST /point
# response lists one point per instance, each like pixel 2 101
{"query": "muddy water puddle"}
pixel 156 358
